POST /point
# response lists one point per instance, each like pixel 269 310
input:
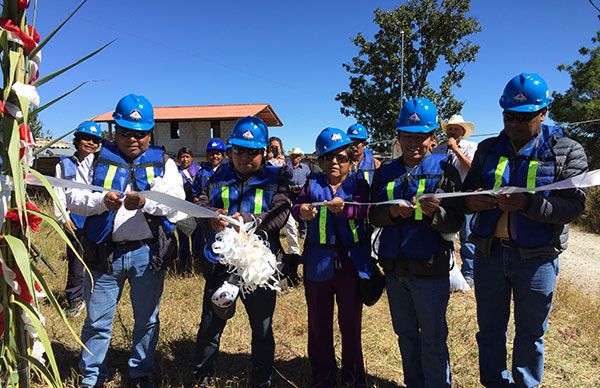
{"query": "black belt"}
pixel 505 242
pixel 131 245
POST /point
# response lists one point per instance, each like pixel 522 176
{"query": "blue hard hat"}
pixel 357 131
pixel 134 112
pixel 215 144
pixel 250 132
pixel 526 92
pixel 331 139
pixel 228 143
pixel 418 115
pixel 90 128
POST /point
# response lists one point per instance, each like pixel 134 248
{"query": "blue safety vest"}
pixel 202 177
pixel 412 239
pixel 533 166
pixel 69 165
pixel 328 232
pixel 226 190
pixel 367 166
pixel 113 172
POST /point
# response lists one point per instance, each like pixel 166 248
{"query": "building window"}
pixel 216 128
pixel 174 130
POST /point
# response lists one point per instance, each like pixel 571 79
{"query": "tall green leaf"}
pixel 49 36
pixel 48 104
pixel 21 256
pixel 49 77
pixel 41 332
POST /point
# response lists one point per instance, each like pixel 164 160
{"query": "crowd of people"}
pixel 509 243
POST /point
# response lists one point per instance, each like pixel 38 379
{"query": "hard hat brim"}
pixel 134 126
pixel 337 147
pixel 526 108
pixel 357 137
pixel 417 128
pixel 247 143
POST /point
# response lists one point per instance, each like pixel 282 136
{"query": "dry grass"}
pixel 572 342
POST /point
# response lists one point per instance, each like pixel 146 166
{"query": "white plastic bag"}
pixel 457 280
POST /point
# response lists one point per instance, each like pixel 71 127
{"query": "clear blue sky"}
pixel 288 54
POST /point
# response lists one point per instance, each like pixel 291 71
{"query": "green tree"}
pixel 433 31
pixel 37 127
pixel 579 106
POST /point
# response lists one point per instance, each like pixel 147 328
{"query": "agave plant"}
pixel 25 349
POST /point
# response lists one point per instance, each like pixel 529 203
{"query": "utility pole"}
pixel 402 69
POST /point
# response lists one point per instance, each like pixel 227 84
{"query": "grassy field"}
pixel 572 342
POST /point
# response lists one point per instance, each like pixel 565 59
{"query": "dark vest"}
pixel 328 232
pixel 227 191
pixel 533 166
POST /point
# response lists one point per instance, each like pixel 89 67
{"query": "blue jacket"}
pixel 329 232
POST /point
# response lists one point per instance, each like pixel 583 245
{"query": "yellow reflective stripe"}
pixel 225 197
pixel 531 174
pixel 390 191
pixel 354 230
pixel 420 190
pixel 366 175
pixel 258 200
pixel 323 225
pixel 110 175
pixel 149 173
pixel 502 163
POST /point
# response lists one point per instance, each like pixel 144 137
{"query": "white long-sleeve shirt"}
pixel 129 225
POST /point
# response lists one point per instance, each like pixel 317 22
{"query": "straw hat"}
pixel 295 151
pixel 458 120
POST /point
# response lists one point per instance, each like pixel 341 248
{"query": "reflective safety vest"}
pixel 201 179
pixel 113 172
pixel 534 165
pixel 328 232
pixel 69 165
pixel 412 239
pixel 367 166
pixel 226 190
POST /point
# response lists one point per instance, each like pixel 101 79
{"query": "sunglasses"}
pixel 128 134
pixel 519 117
pixel 94 139
pixel 341 158
pixel 246 151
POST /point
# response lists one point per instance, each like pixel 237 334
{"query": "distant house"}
pixel 194 126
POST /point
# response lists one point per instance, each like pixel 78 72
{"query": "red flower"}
pixel 32 220
pixel 28 39
pixel 23 4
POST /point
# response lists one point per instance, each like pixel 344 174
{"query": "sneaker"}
pixel 204 382
pixel 75 308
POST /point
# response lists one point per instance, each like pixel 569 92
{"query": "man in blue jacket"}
pixel 518 237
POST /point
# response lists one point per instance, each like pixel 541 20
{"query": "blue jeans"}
pixel 531 283
pixel 418 309
pixel 467 249
pixel 146 290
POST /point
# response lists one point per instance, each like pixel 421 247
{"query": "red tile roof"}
pixel 207 112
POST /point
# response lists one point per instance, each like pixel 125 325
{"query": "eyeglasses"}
pixel 129 133
pixel 341 158
pixel 519 117
pixel 246 151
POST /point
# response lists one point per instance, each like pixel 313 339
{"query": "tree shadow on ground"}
pixel 174 368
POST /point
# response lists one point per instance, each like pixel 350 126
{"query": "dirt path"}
pixel 580 263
